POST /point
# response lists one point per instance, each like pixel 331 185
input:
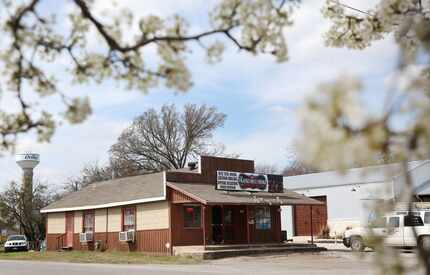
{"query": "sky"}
pixel 259 96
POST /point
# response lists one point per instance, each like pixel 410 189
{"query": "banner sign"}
pixel 276 183
pixel 235 181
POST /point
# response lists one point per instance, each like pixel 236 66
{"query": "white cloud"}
pixel 266 145
pixel 70 148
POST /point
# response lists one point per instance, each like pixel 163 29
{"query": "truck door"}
pixel 394 231
pixel 411 221
pixel 379 227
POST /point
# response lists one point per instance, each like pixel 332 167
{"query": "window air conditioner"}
pixel 126 236
pixel 86 237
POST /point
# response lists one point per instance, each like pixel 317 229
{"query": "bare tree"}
pixel 297 167
pixel 12 211
pixel 168 139
pixel 265 168
pixel 91 172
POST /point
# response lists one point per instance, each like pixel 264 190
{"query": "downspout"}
pixel 247 226
pixel 169 203
pixel 312 229
pixel 107 221
pixel 203 209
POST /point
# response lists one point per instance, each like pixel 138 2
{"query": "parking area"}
pixel 330 262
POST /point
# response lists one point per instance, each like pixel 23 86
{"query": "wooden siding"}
pixel 302 218
pixel 178 197
pixel 181 235
pixel 149 241
pixel 185 177
pixel 236 233
pixel 153 241
pixel 209 167
pixel 51 241
pixel 150 216
pixel 56 223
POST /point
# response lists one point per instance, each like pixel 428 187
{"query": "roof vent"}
pixel 192 165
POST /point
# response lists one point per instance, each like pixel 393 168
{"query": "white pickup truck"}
pixel 396 229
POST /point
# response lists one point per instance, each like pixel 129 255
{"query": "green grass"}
pixel 97 257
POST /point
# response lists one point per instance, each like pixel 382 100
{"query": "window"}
pixel 414 213
pixel 192 216
pixel 88 223
pixel 16 238
pixel 427 217
pixel 128 218
pixel 412 220
pixel 393 222
pixel 262 218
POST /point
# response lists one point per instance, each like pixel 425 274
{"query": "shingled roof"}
pixel 207 194
pixel 116 192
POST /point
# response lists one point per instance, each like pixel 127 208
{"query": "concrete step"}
pixel 223 253
pixel 246 246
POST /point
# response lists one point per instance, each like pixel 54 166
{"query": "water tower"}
pixel 27 162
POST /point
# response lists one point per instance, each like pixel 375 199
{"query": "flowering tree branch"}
pixel 34 40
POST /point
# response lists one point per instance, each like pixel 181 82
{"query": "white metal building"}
pixel 349 196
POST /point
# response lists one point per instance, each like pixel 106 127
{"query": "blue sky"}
pixel 258 95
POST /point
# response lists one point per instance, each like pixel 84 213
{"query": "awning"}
pixel 207 194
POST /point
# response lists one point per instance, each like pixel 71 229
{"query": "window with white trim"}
pixel 88 224
pixel 129 218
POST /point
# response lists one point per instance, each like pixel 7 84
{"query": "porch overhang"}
pixel 208 195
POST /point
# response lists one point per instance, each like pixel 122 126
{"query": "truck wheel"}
pixel 357 244
pixel 425 243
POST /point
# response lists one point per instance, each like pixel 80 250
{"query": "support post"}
pixel 222 223
pixel 204 225
pixel 312 228
pixel 247 226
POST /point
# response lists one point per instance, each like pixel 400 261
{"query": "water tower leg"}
pixel 27 190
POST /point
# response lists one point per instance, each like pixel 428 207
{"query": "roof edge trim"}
pixel 295 189
pixel 106 205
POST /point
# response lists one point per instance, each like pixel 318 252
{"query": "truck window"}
pixel 427 217
pixel 393 222
pixel 412 220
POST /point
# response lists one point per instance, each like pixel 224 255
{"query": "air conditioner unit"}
pixel 126 236
pixel 86 237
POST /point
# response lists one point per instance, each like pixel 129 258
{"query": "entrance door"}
pixel 228 225
pixel 69 229
pixel 395 231
pixel 217 224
